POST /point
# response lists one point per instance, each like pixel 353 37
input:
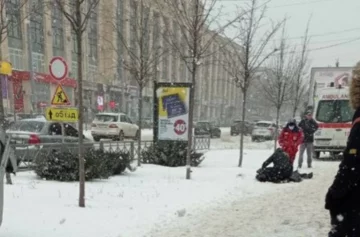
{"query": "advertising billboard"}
pixel 172 111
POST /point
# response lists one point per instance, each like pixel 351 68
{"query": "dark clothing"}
pixel 281 170
pixel 343 197
pixel 309 127
pixel 346 224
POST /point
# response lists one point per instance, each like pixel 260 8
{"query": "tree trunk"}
pixel 295 107
pixel 242 128
pixel 2 112
pixel 81 119
pixel 191 119
pixel 277 127
pixel 140 110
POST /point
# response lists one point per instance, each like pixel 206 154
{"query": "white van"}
pixel 333 114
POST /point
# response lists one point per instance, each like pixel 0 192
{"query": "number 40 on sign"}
pixel 180 127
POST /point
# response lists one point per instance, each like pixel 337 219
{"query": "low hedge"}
pixel 170 153
pixel 64 166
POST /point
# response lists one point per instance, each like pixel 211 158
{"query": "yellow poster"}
pixel 173 112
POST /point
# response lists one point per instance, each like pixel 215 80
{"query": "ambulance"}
pixel 331 109
pixel 333 114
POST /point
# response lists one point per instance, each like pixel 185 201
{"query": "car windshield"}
pixel 237 122
pixel 106 118
pixel 27 126
pixel 263 125
pixel 202 125
pixel 334 111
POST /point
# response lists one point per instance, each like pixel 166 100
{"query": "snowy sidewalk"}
pixel 296 211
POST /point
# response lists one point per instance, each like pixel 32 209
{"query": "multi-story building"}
pixel 103 65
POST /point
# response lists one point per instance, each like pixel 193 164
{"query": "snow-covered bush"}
pixel 64 166
pixel 169 153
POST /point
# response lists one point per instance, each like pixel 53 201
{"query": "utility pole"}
pixel 30 60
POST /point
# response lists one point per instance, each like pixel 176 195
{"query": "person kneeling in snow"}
pixel 281 171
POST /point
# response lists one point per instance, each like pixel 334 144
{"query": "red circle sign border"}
pixel 66 68
pixel 183 122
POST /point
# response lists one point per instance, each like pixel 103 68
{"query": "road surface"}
pixel 294 211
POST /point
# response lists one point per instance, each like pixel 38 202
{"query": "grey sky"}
pixel 333 22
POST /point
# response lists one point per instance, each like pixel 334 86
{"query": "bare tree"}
pixel 244 60
pixel 276 85
pixel 143 51
pixel 77 13
pixel 195 18
pixel 298 85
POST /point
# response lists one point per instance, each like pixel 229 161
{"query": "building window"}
pixel 57 31
pixel 166 57
pixel 93 37
pixel 74 69
pixel 16 58
pixel 120 30
pixel 13 15
pixel 133 28
pixel 146 33
pixel 156 42
pixel 74 55
pixel 38 62
pixel 92 72
pixel 42 91
pixel 174 66
pixel 37 27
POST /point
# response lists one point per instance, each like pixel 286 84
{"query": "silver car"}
pixel 29 134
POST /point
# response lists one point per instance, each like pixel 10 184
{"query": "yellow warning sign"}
pixel 60 97
pixel 62 114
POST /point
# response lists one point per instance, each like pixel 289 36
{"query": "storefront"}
pixel 44 86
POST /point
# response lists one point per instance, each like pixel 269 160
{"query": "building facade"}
pixel 49 34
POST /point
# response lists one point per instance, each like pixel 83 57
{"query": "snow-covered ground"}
pixel 220 200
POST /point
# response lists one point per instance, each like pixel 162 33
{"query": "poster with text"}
pixel 173 113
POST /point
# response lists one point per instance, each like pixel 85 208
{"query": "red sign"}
pixel 112 104
pixel 42 77
pixel 58 68
pixel 180 127
pixel 18 95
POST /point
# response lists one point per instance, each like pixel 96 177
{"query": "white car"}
pixel 116 126
pixel 263 130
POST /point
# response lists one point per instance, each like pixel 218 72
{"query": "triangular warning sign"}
pixel 60 97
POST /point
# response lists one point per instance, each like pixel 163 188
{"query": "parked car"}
pixel 34 132
pixel 116 126
pixel 263 130
pixel 236 128
pixel 207 128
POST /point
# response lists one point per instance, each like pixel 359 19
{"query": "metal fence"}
pixel 26 154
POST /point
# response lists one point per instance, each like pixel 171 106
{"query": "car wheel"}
pixel 97 139
pixel 121 136
pixel 253 139
pixel 317 154
pixel 137 135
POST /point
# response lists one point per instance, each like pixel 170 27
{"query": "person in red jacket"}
pixel 290 138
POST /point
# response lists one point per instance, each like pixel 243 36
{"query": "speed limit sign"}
pixel 180 127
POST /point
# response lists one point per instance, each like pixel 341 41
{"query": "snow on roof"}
pixel 111 114
pixel 39 119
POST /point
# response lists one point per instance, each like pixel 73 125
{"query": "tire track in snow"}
pixel 293 211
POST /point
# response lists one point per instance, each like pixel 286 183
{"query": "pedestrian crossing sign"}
pixel 60 97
